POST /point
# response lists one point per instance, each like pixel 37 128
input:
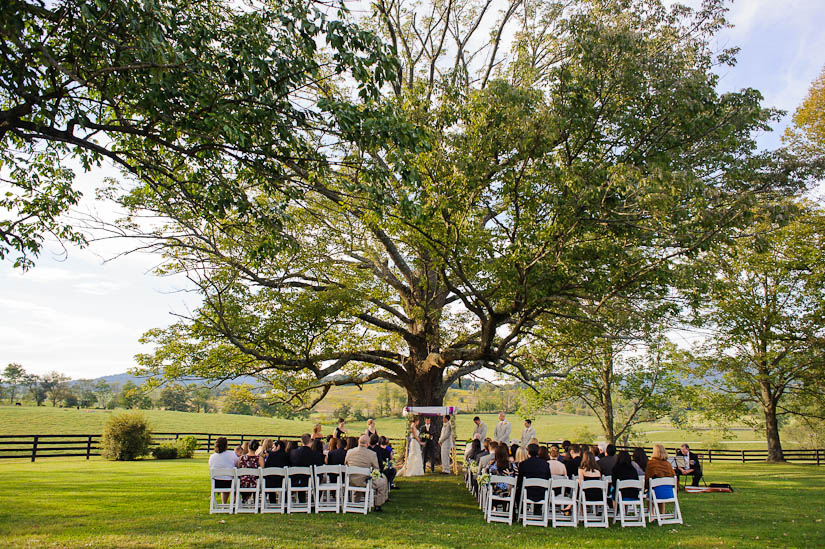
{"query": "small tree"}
pixel 55 384
pixel 125 437
pixel 132 396
pixel 103 393
pixel 174 397
pixel 36 389
pixel 13 376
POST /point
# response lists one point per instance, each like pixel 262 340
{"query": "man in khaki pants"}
pixel 362 456
pixel 446 442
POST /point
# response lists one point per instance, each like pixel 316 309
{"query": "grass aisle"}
pixel 68 502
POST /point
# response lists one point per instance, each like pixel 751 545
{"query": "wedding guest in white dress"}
pixel 414 464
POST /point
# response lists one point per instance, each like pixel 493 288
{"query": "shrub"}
pixel 186 447
pixel 125 437
pixel 165 451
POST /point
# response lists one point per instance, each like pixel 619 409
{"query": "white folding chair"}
pixel 294 491
pixel 663 517
pixel 253 492
pixel 270 491
pixel 593 512
pixel 630 511
pixel 327 491
pixel 507 501
pixel 529 515
pixel 568 490
pixel 216 504
pixel 352 502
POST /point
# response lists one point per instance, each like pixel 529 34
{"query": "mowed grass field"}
pixel 70 502
pixel 46 420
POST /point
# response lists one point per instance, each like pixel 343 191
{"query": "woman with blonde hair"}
pixel 264 448
pixel 660 467
pixel 316 431
pixel 370 428
pixel 557 468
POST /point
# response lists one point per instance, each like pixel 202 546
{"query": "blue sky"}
pixel 83 317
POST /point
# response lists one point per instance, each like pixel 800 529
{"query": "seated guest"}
pixel 659 467
pixel 291 445
pixel 352 442
pixel 597 453
pixel 557 468
pixel 692 466
pixel 639 461
pixel 623 470
pixel 265 448
pixel 317 447
pixel 513 449
pixel 384 464
pixel 336 456
pixel 361 456
pixel 223 459
pixel 608 460
pixel 543 453
pixel 239 451
pixel 475 449
pixel 485 460
pixel 385 444
pixel 501 466
pixel 521 456
pixel 302 456
pixel 574 461
pixel 276 458
pixel 532 467
pixel 589 470
pixel 565 451
pixel 250 459
pixel 327 445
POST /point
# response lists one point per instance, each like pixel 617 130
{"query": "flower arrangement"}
pixel 484 479
pixel 375 473
pixel 474 467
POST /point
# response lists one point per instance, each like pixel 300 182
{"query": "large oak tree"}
pixel 495 184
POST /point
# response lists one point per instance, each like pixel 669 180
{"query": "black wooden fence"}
pixel 43 446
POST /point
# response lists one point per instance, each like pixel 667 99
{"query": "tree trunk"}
pixel 607 400
pixel 775 453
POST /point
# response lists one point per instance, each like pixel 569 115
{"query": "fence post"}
pixel 208 441
pixel 817 456
pixel 34 448
pixel 710 455
pixel 88 446
pixel 176 436
pixel 241 440
pixel 743 456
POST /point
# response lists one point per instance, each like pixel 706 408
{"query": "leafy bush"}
pixel 125 437
pixel 165 451
pixel 186 447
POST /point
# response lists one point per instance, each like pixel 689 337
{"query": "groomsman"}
pixel 446 442
pixel 527 434
pixel 427 433
pixel 502 430
pixel 480 430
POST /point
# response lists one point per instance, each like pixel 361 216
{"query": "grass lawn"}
pixel 44 420
pixel 69 502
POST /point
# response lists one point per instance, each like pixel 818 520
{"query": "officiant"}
pixel 430 449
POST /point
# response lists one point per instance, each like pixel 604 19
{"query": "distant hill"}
pixel 124 377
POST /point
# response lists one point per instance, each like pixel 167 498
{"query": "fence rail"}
pixel 43 446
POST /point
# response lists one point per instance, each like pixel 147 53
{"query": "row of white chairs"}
pixel 325 488
pixel 565 503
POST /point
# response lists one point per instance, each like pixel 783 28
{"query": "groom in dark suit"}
pixel 429 444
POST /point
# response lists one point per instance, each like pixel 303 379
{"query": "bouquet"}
pixel 425 436
pixel 375 473
pixel 484 479
pixel 474 467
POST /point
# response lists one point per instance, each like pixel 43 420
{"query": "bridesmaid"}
pixel 370 428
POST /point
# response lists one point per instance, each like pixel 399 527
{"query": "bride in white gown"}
pixel 414 464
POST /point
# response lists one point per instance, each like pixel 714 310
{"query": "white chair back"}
pixel 661 516
pixel 328 488
pixel 251 494
pixel 216 506
pixel 534 511
pixel 357 499
pixel 594 511
pixel 273 497
pixel 299 498
pixel 500 506
pixel 630 511
pixel 564 502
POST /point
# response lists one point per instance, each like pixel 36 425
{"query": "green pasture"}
pixel 70 502
pixel 45 420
